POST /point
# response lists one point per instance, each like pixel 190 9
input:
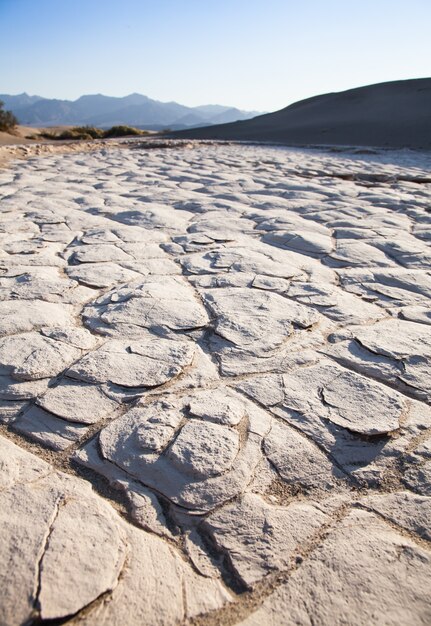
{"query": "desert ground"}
pixel 28 135
pixel 215 386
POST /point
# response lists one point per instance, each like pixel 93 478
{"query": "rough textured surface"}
pixel 215 387
pixel 355 578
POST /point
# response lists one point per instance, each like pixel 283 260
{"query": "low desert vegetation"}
pixel 124 131
pixel 91 132
pixel 82 132
pixel 8 120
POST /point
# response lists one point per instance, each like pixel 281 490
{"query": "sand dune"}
pixel 18 137
pixel 395 114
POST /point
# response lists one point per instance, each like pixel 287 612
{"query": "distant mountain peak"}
pixel 134 109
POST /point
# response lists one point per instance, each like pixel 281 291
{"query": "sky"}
pixel 253 54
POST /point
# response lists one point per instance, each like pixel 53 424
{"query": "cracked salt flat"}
pixel 214 387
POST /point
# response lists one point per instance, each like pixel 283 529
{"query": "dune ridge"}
pixel 393 114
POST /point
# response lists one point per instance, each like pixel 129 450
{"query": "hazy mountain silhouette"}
pixel 21 100
pixel 393 114
pixel 134 109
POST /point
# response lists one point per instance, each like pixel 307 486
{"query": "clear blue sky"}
pixel 253 54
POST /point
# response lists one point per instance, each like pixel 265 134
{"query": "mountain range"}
pixel 393 114
pixel 105 111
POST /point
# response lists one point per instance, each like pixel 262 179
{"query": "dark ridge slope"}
pixel 395 114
